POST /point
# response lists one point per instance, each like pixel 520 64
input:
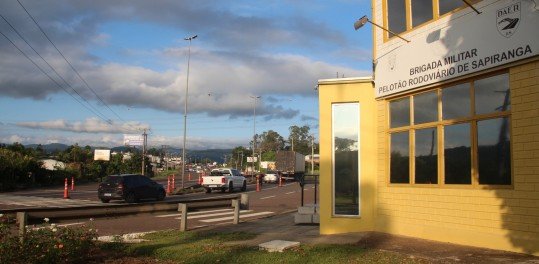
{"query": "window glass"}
pixel 400 112
pixel 494 155
pixel 457 152
pixel 426 156
pixel 447 6
pixel 492 94
pixel 345 124
pixel 421 11
pixel 425 107
pixel 396 10
pixel 400 158
pixel 456 101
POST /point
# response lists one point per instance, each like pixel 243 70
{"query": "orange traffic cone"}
pixel 66 191
pixel 72 183
pixel 257 184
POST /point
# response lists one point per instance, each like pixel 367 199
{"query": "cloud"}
pixel 308 118
pixel 234 57
pixel 114 140
pixel 90 125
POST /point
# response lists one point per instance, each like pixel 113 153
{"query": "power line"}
pixel 52 79
pixel 101 115
pixel 67 61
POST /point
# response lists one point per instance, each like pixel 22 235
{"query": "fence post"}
pixel 244 201
pixel 236 205
pixel 182 207
pixel 22 218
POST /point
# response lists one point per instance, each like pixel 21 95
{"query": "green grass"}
pixel 200 247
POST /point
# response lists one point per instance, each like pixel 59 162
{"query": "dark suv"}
pixel 130 187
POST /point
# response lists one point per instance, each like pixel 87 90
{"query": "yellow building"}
pixel 443 142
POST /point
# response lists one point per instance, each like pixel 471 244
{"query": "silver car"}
pixel 272 177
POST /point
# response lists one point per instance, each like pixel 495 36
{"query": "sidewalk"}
pixel 282 227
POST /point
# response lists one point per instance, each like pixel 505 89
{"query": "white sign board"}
pixel 102 154
pixel 252 159
pixel 506 31
pixel 133 140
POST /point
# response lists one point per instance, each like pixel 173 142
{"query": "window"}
pixel 345 137
pixel 421 12
pixel 403 15
pixel 446 6
pixel 468 144
pixel 396 18
pixel 425 108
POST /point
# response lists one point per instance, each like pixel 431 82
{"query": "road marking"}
pixel 232 217
pixel 267 197
pixel 216 214
pixel 290 192
pixel 35 201
pixel 194 213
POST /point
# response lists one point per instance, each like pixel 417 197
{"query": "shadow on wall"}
pixel 519 209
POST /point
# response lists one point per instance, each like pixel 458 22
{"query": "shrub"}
pixel 46 244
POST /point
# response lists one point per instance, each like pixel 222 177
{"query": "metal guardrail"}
pixel 235 201
pixel 118 209
pixel 241 202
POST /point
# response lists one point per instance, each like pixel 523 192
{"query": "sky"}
pixel 118 67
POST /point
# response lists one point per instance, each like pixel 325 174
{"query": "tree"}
pixel 271 141
pixel 239 157
pixel 300 139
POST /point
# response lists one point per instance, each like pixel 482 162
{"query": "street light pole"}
pixel 254 133
pixel 185 109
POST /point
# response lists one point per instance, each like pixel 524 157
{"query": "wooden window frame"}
pixel 408 6
pixel 440 124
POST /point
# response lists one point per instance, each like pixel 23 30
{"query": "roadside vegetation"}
pixel 46 243
pixel 203 247
pixel 22 167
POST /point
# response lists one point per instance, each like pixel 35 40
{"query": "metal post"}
pixel 144 137
pixel 302 190
pixel 185 110
pixel 254 135
pixel 236 205
pixel 22 218
pixel 182 207
pixel 244 201
pixel 315 188
pixel 312 154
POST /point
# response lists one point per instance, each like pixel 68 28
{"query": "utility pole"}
pixel 165 156
pixel 254 134
pixel 241 161
pixel 144 137
pixel 312 154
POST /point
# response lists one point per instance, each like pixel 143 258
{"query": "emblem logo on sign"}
pixel 508 19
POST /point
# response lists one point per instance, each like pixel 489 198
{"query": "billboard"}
pixel 102 154
pixel 133 140
pixel 252 159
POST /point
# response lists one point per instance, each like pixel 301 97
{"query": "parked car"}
pixel 131 188
pixel 224 179
pixel 272 177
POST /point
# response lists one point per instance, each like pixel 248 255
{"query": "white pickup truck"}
pixel 224 179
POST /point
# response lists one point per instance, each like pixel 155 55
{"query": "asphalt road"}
pixel 271 200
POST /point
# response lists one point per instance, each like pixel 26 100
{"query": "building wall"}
pixel 504 218
pixel 339 91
